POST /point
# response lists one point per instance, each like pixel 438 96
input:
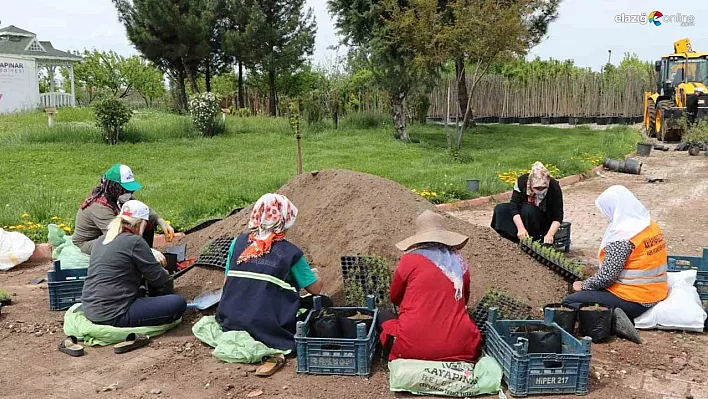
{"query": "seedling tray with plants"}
pixel 363 276
pixel 508 307
pixel 216 253
pixel 528 373
pixel 338 356
pixel 556 261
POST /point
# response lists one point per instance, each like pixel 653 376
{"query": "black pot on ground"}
pixel 514 119
pixel 644 149
pixel 349 320
pixel 587 120
pixel 525 120
pixel 505 120
pixel 574 120
pixel 561 119
pixel 545 340
pixel 595 322
pixel 611 120
pixel 326 324
pixel 694 150
pixel 624 120
pixel 564 317
pixel 602 120
pixel 546 120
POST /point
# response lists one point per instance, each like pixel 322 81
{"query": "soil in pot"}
pixel 326 325
pixel 595 322
pixel 564 317
pixel 349 320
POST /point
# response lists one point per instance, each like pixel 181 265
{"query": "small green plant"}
pixel 369 276
pixel 243 112
pixel 697 133
pixel 111 116
pixel 4 296
pixel 204 107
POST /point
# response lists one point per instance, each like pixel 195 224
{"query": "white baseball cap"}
pixel 136 209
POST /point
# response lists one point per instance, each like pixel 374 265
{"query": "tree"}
pixel 285 38
pixel 239 39
pixel 173 34
pixel 147 81
pixel 400 40
pixel 486 30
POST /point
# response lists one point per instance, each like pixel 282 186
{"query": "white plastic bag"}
pixel 682 310
pixel 15 248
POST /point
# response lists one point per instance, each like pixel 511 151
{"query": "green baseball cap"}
pixel 122 175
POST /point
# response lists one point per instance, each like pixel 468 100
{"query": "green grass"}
pixel 48 172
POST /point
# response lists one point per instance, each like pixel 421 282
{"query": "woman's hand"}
pixel 578 286
pixel 159 257
pixel 168 230
pixel 548 239
pixel 522 233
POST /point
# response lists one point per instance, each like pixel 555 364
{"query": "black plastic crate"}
pixel 363 276
pixel 538 373
pixel 65 286
pixel 216 253
pixel 679 263
pixel 560 269
pixel 337 356
pixel 509 308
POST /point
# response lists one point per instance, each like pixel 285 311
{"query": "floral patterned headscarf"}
pixel 539 177
pixel 272 215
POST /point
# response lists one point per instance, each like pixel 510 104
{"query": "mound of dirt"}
pixel 342 212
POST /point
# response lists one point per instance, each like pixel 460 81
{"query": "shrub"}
pixel 419 106
pixel 111 116
pixel 366 120
pixel 243 112
pixel 204 107
pixel 697 133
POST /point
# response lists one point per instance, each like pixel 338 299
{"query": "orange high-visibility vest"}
pixel 643 279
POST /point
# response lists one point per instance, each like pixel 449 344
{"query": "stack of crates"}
pixel 336 356
pixel 678 263
pixel 538 373
pixel 65 286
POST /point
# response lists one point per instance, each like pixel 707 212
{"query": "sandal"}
pixel 132 341
pixel 271 365
pixel 70 346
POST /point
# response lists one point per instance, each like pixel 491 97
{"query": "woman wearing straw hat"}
pixel 431 286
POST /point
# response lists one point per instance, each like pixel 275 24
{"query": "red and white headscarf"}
pixel 538 177
pixel 272 215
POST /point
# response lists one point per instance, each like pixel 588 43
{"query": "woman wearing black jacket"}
pixel 535 209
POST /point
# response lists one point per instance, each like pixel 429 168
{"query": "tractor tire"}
pixel 651 131
pixel 661 108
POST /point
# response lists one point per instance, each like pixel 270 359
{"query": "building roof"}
pixel 12 29
pixel 16 41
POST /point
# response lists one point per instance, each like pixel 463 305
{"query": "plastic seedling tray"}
pixel 554 260
pixel 509 308
pixel 216 253
pixel 363 276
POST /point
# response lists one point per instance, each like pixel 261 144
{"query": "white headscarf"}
pixel 628 217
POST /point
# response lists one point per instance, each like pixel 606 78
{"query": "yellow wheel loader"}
pixel 681 91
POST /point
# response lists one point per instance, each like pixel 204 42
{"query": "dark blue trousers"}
pixel 152 311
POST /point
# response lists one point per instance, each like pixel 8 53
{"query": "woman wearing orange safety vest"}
pixel 633 260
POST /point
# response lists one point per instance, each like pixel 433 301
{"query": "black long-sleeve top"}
pixel 552 204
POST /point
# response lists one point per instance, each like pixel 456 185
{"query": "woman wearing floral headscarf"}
pixel 535 209
pixel 264 274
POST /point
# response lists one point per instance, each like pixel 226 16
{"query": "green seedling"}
pixel 4 296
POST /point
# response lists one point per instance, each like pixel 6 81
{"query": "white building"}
pixel 22 56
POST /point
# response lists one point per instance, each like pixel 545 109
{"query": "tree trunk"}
pixel 462 95
pixel 191 77
pixel 398 112
pixel 272 101
pixel 207 75
pixel 241 99
pixel 181 91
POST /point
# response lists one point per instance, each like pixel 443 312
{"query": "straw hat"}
pixel 430 227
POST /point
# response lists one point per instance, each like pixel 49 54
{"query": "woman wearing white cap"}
pixel 103 204
pixel 120 261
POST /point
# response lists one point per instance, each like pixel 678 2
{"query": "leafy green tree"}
pixel 285 38
pixel 147 81
pixel 176 35
pixel 239 40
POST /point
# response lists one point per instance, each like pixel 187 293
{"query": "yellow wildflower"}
pixel 13 227
pixel 168 222
pixel 67 229
pixel 25 215
pixel 56 218
pixel 20 227
pixel 61 225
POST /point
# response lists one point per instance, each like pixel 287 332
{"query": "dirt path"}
pixel 679 206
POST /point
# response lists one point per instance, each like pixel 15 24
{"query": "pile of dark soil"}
pixel 342 212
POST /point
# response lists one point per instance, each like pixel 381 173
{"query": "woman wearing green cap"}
pixel 103 205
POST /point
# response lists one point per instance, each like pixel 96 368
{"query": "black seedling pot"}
pixel 545 341
pixel 564 317
pixel 326 325
pixel 545 120
pixel 349 323
pixel 602 120
pixel 525 120
pixel 595 322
